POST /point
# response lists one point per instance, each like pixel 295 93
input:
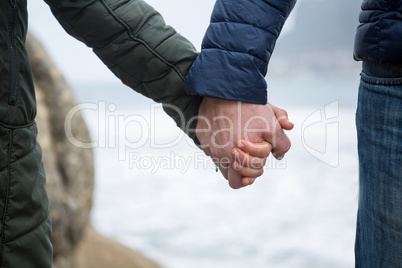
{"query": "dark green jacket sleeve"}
pixel 132 39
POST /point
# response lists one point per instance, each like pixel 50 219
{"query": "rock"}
pixel 70 174
pixel 113 254
pixel 70 170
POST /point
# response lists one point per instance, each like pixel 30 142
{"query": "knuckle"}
pixel 267 151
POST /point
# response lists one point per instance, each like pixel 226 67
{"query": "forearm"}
pixel 131 38
pixel 236 49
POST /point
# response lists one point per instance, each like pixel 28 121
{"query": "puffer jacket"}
pixel 25 224
pixel 241 37
pixel 132 39
pixel 379 34
pixel 236 50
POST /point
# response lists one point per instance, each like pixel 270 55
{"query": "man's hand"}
pixel 222 123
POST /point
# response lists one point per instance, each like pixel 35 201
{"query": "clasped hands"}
pixel 239 137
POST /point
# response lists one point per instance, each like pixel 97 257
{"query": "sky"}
pixel 80 65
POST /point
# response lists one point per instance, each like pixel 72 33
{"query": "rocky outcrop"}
pixel 112 254
pixel 70 175
pixel 69 169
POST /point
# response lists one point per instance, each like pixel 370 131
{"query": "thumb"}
pixel 282 117
pixel 279 140
pixel 234 178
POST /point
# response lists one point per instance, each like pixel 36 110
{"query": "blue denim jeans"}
pixel 379 130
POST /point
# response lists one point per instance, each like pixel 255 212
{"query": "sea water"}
pixel 158 194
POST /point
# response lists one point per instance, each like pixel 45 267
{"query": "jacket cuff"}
pixel 236 50
pixel 227 75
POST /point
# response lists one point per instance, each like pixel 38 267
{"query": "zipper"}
pixel 13 58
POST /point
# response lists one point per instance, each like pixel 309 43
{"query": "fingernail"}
pixel 240 144
pixel 236 154
pixel 237 165
pixel 278 157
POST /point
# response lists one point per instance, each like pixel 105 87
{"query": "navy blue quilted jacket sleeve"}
pixel 236 50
